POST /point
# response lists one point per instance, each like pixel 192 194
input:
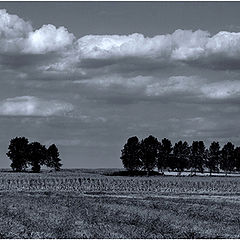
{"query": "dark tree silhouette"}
pixel 130 154
pixel 52 159
pixel 237 158
pixel 164 158
pixel 181 152
pixel 18 153
pixel 148 153
pixel 213 157
pixel 197 156
pixel 37 155
pixel 227 163
pixel 159 162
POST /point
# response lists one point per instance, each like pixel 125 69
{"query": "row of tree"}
pixel 149 154
pixel 23 154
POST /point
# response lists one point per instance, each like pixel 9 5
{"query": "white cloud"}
pixel 32 106
pixel 180 45
pixel 186 46
pixel 13 32
pixel 17 36
pixel 47 39
pixel 105 46
pixel 101 55
pixel 11 26
pixel 224 43
pixel 189 45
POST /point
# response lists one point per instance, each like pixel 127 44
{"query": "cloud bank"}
pixel 197 48
pixel 116 66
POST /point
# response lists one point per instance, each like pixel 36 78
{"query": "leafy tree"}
pixel 130 154
pixel 227 163
pixel 164 155
pixel 37 155
pixel 197 156
pixel 52 159
pixel 148 153
pixel 237 158
pixel 18 153
pixel 213 157
pixel 159 161
pixel 181 152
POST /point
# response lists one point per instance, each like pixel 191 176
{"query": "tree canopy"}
pixel 150 154
pixel 24 154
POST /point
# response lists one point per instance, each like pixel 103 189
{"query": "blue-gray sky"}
pixel 88 75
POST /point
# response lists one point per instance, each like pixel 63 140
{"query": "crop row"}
pixel 118 185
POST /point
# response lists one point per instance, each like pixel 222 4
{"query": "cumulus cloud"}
pixel 224 43
pixel 48 38
pixel 13 32
pixel 120 52
pixel 186 46
pixel 105 46
pixel 32 106
pixel 17 36
pixel 180 45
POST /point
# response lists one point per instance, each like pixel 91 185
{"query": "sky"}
pixel 86 76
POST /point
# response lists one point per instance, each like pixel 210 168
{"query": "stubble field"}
pixel 88 204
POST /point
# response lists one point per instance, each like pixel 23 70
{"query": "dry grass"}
pixel 85 204
pixel 60 215
pixel 87 181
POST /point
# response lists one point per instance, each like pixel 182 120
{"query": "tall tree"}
pixel 148 153
pixel 181 152
pixel 197 156
pixel 227 163
pixel 237 158
pixel 164 158
pixel 130 154
pixel 37 155
pixel 159 161
pixel 213 157
pixel 18 153
pixel 52 159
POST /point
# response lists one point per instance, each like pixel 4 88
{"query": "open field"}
pixel 86 204
pixel 94 180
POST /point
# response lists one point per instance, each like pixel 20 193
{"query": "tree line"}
pixel 149 154
pixel 23 154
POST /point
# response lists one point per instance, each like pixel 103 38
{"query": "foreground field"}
pixel 59 215
pixel 86 204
